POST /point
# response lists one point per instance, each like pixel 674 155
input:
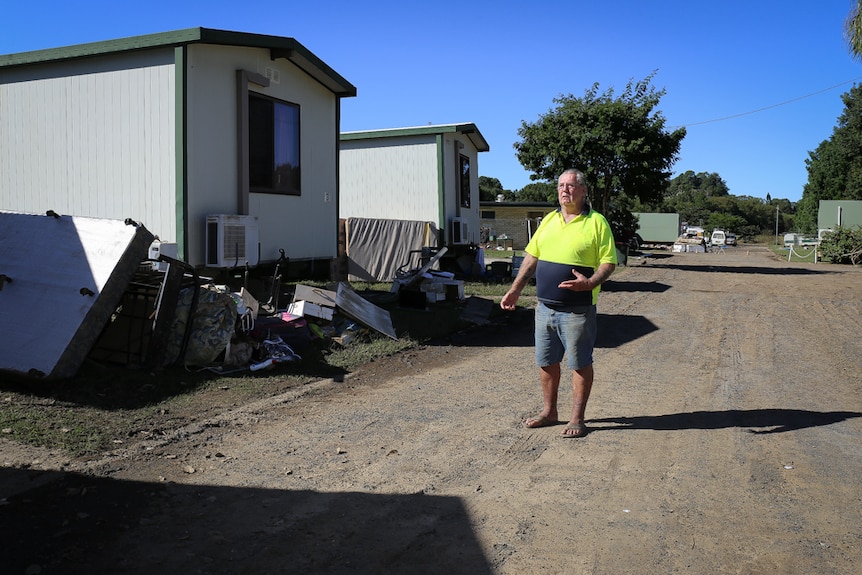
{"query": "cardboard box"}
pixel 305 308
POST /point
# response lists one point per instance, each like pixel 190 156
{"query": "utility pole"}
pixel 776 225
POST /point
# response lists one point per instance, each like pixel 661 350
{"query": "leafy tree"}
pixel 853 30
pixel 620 143
pixel 489 189
pixel 843 246
pixel 835 167
pixel 537 192
pixel 710 185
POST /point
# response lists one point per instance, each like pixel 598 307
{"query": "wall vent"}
pixel 272 74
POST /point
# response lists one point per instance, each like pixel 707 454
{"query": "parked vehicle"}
pixel 718 238
pixel 730 239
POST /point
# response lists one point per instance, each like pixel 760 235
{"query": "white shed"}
pixel 169 129
pixel 426 173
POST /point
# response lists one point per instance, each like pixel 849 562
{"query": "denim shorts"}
pixel 565 333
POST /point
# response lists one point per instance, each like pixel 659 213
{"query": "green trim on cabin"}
pixel 441 190
pixel 280 47
pixel 470 130
pixel 181 183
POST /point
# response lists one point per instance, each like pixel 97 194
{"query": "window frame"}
pixel 464 177
pixel 270 139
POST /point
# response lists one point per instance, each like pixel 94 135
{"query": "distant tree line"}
pixel 701 199
pixel 622 146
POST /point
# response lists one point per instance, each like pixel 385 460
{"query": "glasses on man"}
pixel 567 186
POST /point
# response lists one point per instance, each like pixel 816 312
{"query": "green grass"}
pixel 800 254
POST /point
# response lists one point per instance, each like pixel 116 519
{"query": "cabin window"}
pixel 464 181
pixel 273 146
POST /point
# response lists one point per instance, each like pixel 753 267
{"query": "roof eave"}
pixel 468 129
pixel 280 47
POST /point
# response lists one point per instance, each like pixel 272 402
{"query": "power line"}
pixel 767 107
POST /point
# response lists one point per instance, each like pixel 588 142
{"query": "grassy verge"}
pixel 106 406
pixel 800 254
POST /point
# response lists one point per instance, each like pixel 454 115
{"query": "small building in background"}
pixel 405 191
pixel 839 213
pixel 510 225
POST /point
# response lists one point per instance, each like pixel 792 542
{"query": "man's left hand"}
pixel 580 283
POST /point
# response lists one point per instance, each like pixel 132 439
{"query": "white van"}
pixel 719 238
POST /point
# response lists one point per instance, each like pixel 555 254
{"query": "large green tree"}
pixel 853 30
pixel 620 143
pixel 537 192
pixel 835 167
pixel 489 189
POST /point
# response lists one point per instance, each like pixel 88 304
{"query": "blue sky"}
pixel 758 83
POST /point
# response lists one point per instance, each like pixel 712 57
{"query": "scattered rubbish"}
pixel 307 308
pixel 131 302
pixel 279 351
pixel 419 287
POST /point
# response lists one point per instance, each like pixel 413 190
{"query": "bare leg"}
pixel 582 384
pixel 550 378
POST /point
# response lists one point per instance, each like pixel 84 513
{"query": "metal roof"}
pixel 280 47
pixel 470 130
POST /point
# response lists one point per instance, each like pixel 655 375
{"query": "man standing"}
pixel 571 254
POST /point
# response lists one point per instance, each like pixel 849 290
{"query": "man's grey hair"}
pixel 579 176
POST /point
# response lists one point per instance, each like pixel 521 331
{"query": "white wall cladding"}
pixel 97 141
pixel 97 137
pixel 304 226
pixel 393 178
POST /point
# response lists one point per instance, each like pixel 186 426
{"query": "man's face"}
pixel 568 190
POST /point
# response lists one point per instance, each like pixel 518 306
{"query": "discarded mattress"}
pixel 61 278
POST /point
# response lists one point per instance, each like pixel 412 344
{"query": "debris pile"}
pixel 254 339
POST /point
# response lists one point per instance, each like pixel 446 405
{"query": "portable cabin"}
pixel 832 214
pixel 426 173
pixel 658 228
pixel 224 143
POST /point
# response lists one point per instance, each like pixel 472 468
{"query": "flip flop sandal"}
pixel 574 431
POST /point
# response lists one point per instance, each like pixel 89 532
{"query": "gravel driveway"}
pixel 726 421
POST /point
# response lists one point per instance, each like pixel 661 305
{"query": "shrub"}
pixel 843 246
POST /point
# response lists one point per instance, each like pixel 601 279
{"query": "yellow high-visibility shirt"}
pixel 584 243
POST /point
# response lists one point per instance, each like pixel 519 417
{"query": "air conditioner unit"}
pixel 231 241
pixel 460 231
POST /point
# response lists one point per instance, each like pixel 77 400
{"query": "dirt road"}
pixel 726 422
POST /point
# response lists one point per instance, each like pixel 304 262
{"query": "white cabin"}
pixel 426 173
pixel 178 131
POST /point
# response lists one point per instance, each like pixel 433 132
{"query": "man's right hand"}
pixel 509 300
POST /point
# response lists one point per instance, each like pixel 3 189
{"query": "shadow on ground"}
pixel 516 329
pixel 617 330
pixel 780 271
pixel 765 420
pixel 627 286
pixel 72 523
